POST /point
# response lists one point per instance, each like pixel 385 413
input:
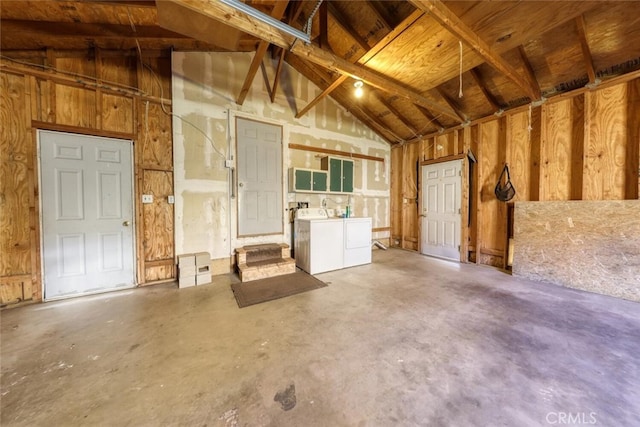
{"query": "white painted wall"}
pixel 205 86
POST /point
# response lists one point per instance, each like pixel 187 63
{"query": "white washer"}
pixel 357 241
pixel 318 241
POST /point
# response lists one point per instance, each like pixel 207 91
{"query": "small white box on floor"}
pixel 186 259
pixel 202 258
pixel 187 270
pixel 186 282
pixel 203 279
pixel 203 269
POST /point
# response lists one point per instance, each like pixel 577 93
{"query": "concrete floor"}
pixel 407 340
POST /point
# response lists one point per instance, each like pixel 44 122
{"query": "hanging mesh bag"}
pixel 505 192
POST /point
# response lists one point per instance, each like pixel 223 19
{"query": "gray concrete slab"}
pixel 407 340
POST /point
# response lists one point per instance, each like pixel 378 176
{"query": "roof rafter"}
pixel 586 51
pixel 277 13
pixel 398 115
pixel 441 13
pixel 221 12
pixel 529 73
pixel 430 117
pixel 488 95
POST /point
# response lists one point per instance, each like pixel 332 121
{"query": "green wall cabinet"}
pixel 307 180
pixel 340 174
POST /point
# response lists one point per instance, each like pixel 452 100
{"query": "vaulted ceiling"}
pixel 427 65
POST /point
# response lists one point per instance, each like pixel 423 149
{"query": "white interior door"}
pixel 87 214
pixel 441 217
pixel 259 178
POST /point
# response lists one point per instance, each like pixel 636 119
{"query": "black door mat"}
pixel 258 291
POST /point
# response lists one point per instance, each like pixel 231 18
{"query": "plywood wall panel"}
pixel 117 113
pixel 557 143
pixel 118 70
pixel 155 136
pixel 519 153
pixel 15 170
pixel 75 106
pixel 492 219
pixel 158 216
pixel 410 228
pixel 605 147
pixel 15 289
pixel 396 196
pixel 164 272
pixel 632 187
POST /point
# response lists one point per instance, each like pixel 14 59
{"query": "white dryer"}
pixel 357 241
pixel 318 241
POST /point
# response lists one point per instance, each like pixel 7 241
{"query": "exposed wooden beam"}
pixel 324 26
pixel 488 95
pixel 340 19
pixel 82 30
pixel 335 152
pixel 529 73
pixel 454 105
pixel 276 78
pixel 441 13
pixel 398 114
pixel 183 20
pixel 380 15
pixel 221 12
pixel 321 78
pixel 430 117
pixel 586 51
pixel 277 12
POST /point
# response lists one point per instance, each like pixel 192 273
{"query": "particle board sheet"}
pixel 588 245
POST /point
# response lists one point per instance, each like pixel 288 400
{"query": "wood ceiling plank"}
pixel 277 13
pixel 457 27
pixel 342 22
pixel 586 51
pixel 176 17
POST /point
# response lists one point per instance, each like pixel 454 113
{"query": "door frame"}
pixel 464 211
pixel 258 238
pixel 40 220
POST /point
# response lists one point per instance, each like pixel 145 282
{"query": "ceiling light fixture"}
pixel 358 92
pixel 266 19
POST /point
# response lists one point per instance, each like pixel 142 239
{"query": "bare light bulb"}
pixel 358 92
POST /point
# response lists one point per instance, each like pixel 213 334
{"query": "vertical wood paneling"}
pixel 396 196
pixel 117 113
pixel 557 143
pixel 535 141
pixel 605 148
pixel 519 153
pixel 632 184
pixel 17 150
pixel 492 212
pixel 75 106
pixel 410 230
pixel 158 220
pixel 155 136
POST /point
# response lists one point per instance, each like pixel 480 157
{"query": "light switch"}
pixel 147 198
pixel 171 200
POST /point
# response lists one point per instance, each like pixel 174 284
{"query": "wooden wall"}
pixel 99 93
pixel 583 145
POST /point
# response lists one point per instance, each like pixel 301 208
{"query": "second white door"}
pixel 87 214
pixel 441 216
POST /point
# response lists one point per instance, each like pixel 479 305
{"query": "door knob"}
pixel 126 223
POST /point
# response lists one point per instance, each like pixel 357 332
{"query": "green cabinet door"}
pixel 319 181
pixel 335 175
pixel 302 180
pixel 347 176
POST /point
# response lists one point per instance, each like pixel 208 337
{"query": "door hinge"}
pixel 459 211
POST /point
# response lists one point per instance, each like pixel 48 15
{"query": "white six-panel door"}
pixel 87 214
pixel 259 178
pixel 441 217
